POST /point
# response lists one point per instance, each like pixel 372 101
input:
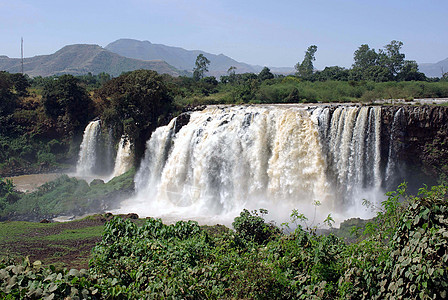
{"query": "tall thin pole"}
pixel 21 52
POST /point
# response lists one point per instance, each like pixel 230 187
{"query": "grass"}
pixel 63 244
pixel 76 234
pixel 15 230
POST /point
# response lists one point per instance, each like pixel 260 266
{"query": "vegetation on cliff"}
pixel 64 196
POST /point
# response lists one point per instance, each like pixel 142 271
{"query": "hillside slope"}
pixel 80 59
pixel 435 69
pixel 178 57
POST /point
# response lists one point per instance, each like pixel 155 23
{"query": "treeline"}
pixel 387 64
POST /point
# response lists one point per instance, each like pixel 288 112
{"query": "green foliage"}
pixel 67 103
pixel 405 256
pixel 364 57
pixel 386 65
pixel 265 74
pixel 7 193
pixel 7 101
pixel 408 261
pixel 31 281
pixel 201 67
pixel 133 103
pixel 252 227
pixel 66 196
pixel 306 68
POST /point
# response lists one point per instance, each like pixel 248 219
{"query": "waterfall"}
pixel 395 144
pixel 88 151
pixel 226 159
pixel 277 157
pixel 123 160
pixel 95 154
pixel 351 141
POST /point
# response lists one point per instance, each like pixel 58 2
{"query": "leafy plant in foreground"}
pixel 405 256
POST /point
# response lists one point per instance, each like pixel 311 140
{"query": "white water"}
pixel 392 169
pixel 274 157
pixel 88 150
pixel 95 155
pixel 123 160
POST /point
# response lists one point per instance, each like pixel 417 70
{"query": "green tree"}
pixel 201 67
pixel 232 74
pixel 7 99
pixel 306 68
pixel 365 57
pixel 21 84
pixel 332 73
pixel 377 73
pixel 133 104
pixel 391 57
pixel 8 103
pixel 444 77
pixel 103 77
pixel 265 74
pixel 68 103
pixel 409 72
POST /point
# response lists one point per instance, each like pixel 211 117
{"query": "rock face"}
pixel 419 137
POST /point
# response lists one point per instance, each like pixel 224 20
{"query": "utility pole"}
pixel 21 52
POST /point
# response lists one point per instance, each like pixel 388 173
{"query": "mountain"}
pixel 180 58
pixel 80 59
pixel 435 69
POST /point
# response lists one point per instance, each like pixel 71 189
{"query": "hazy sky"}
pixel 272 33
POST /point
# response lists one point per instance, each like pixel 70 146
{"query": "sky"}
pixel 268 33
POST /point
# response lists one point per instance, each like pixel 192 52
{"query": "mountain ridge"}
pixel 434 69
pixel 79 59
pixel 176 56
pixel 184 59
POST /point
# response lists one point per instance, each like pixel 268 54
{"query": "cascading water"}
pixel 351 139
pixel 123 160
pixel 396 134
pixel 96 154
pixel 275 157
pixel 88 151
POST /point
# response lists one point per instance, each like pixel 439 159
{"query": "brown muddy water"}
pixel 30 183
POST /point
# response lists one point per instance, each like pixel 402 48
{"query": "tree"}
pixel 332 73
pixel 201 67
pixel 265 74
pixel 409 71
pixel 231 78
pixel 7 103
pixel 391 57
pixel 377 73
pixel 294 96
pixel 365 57
pixel 231 70
pixel 103 77
pixel 444 77
pixel 306 68
pixel 7 99
pixel 68 103
pixel 21 84
pixel 133 104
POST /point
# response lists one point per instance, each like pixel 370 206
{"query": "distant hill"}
pixel 434 70
pixel 181 58
pixel 80 59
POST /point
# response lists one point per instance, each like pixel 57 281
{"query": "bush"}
pixel 252 227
